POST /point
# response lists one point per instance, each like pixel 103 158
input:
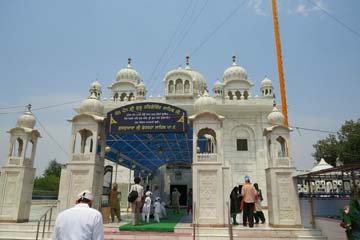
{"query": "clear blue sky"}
pixel 50 52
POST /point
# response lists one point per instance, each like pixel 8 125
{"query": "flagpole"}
pixel 280 64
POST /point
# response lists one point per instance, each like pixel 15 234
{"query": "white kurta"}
pixel 79 223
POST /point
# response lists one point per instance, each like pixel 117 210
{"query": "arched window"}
pixel 122 97
pixel 131 95
pixel 179 88
pixel 238 95
pixel 246 94
pixel 187 86
pixel 266 92
pixel 282 147
pixel 116 96
pixel 17 148
pixel 29 149
pixel 230 94
pixel 171 87
pixel 206 142
pixel 83 141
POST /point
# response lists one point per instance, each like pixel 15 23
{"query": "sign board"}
pixel 146 117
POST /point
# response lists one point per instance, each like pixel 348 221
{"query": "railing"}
pixel 193 219
pixel 44 216
pixel 229 222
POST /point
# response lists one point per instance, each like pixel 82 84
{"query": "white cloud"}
pixel 306 9
pixel 257 5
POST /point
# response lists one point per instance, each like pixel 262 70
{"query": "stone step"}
pixel 23 234
pixel 24 226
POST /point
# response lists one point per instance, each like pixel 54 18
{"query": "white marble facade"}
pixel 233 119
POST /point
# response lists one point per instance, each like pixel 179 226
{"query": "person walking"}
pixel 114 202
pixel 234 204
pixel 249 194
pixel 157 210
pixel 80 222
pixel 175 198
pixel 137 204
pixel 258 215
pixel 189 201
pixel 146 207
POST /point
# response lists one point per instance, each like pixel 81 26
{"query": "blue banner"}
pixel 146 118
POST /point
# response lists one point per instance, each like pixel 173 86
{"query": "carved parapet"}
pixel 206 157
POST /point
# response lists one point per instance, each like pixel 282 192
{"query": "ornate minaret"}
pixel 283 201
pixel 85 168
pixel 17 176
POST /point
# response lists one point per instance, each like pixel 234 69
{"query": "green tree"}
pixel 50 180
pixel 53 169
pixel 344 146
pixel 349 141
pixel 328 149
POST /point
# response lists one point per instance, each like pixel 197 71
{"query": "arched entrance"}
pixel 155 141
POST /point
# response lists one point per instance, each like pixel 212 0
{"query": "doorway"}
pixel 183 191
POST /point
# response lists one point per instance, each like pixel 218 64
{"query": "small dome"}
pixel 128 74
pixel 218 84
pixel 322 165
pixel 198 80
pixel 266 83
pixel 96 85
pixel 204 103
pixel 275 117
pixel 235 72
pixel 141 85
pixel 92 106
pixel 26 120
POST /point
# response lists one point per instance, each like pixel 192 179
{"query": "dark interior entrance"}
pixel 183 191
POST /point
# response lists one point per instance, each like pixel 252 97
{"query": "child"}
pixel 163 210
pixel 146 207
pixel 157 211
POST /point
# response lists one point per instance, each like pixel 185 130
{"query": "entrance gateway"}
pixel 244 135
pixel 233 134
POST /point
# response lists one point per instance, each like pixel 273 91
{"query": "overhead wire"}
pixel 336 19
pixel 50 136
pixel 184 34
pixel 41 108
pixel 170 41
pixel 217 28
pixel 11 107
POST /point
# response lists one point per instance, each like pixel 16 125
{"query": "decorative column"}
pixel 283 200
pixel 211 185
pixel 85 168
pixel 17 176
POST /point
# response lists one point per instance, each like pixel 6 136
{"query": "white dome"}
pixel 26 120
pixel 266 83
pixel 275 117
pixel 197 77
pixel 194 75
pixel 96 85
pixel 128 74
pixel 218 84
pixel 235 72
pixel 321 166
pixel 204 103
pixel 141 85
pixel 92 106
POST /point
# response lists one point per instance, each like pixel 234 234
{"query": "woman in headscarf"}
pixel 234 204
pixel 351 219
pixel 258 215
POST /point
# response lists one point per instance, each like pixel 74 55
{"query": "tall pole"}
pixel 280 65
